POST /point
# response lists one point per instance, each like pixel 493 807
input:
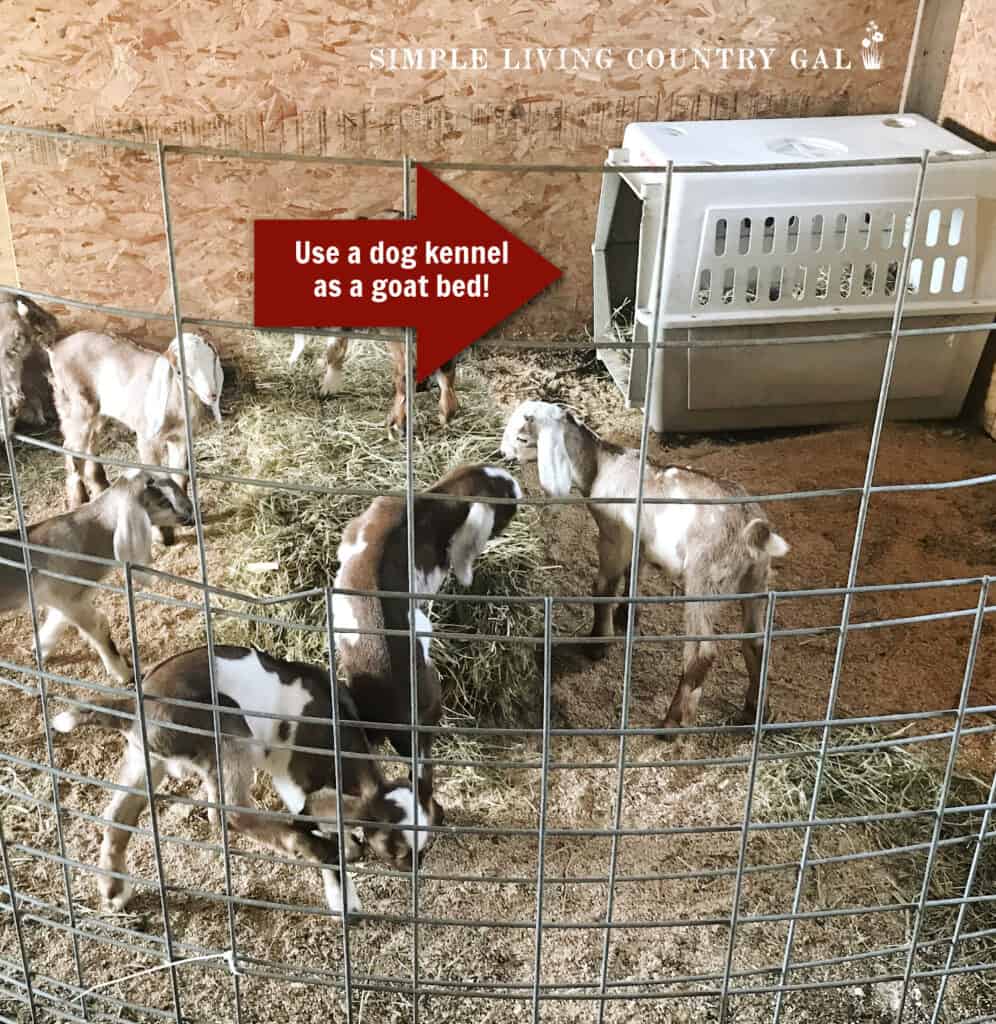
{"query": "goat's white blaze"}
pixel 404 798
pixel 22 308
pixel 470 540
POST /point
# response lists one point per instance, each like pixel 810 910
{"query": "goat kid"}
pixel 251 681
pixel 24 326
pixel 709 549
pixel 336 348
pixel 373 555
pixel 96 378
pixel 117 525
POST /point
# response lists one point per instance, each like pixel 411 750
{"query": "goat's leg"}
pixel 335 356
pixel 620 617
pixel 753 621
pixel 176 458
pixel 396 419
pixel 124 809
pixel 698 658
pixel 448 402
pixel 299 840
pixel 209 781
pixel 156 452
pixel 51 632
pixel 77 436
pixel 96 477
pixel 93 625
pixel 613 561
pixel 401 740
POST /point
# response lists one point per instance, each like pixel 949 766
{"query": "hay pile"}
pixel 286 541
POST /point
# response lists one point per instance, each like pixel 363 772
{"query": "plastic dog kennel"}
pixel 756 259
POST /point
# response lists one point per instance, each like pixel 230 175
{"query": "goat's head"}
pixel 204 374
pixel 395 842
pixel 535 431
pixel 38 325
pixel 483 521
pixel 146 500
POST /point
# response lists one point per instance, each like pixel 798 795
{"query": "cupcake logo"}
pixel 871 47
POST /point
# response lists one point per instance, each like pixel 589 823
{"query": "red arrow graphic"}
pixel 452 273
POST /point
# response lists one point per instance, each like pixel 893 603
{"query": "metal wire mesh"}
pixel 924 966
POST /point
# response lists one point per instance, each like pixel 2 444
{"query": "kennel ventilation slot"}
pixel 765 257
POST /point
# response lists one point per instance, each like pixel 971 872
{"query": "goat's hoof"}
pixel 122 673
pixel 620 621
pixel 595 652
pixel 331 383
pixel 666 736
pixel 116 894
pixel 748 716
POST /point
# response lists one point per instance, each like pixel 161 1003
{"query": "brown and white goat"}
pixel 373 555
pixel 710 549
pixel 24 326
pixel 96 377
pixel 336 348
pixel 116 525
pixel 298 755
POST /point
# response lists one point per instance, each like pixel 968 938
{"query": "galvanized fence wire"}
pixel 45 997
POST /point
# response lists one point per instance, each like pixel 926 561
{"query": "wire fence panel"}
pixel 592 865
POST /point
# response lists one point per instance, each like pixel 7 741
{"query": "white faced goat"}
pixel 96 377
pixel 117 525
pixel 710 549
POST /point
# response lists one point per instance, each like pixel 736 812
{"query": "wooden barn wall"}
pixel 293 77
pixel 969 100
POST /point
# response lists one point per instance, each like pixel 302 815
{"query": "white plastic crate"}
pixel 765 256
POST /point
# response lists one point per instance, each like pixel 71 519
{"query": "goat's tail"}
pixel 106 714
pixel 759 537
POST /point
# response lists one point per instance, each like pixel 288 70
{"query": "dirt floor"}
pixel 665 959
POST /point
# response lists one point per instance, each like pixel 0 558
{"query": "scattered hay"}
pixel 878 782
pixel 287 541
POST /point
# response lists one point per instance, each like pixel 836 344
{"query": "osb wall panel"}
pixel 294 77
pixel 968 93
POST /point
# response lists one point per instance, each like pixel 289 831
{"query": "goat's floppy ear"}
pixel 133 533
pixel 470 540
pixel 551 455
pixel 157 397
